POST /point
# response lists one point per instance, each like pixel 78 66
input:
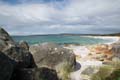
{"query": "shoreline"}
pixel 82 57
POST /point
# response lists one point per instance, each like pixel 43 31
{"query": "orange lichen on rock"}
pixel 102 49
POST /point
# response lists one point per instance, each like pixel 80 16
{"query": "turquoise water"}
pixel 61 39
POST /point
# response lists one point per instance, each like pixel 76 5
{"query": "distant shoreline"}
pixel 69 34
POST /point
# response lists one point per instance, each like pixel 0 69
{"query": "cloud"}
pixel 60 16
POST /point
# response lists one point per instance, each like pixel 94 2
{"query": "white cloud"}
pixel 76 16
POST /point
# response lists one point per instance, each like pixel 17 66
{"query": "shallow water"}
pixel 61 39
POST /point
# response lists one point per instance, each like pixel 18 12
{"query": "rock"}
pixel 5 36
pixel 24 45
pixel 45 74
pixel 50 55
pixel 5 39
pixel 24 74
pixel 89 71
pixel 35 74
pixel 116 49
pixel 22 57
pixel 6 67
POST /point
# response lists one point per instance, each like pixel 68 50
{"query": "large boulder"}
pixel 22 57
pixel 6 67
pixel 51 54
pixel 18 53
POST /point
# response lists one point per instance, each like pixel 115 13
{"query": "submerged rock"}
pixel 50 55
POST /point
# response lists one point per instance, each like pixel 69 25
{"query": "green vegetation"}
pixel 103 72
pixel 115 63
pixel 63 70
pixel 108 72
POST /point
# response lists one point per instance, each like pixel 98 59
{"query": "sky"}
pixel 29 17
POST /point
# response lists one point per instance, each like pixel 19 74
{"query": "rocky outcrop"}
pixel 5 39
pixel 22 57
pixel 17 62
pixel 13 57
pixel 51 54
pixel 116 49
pixel 6 67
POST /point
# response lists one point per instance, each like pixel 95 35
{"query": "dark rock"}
pixel 35 74
pixel 6 67
pixel 24 45
pixel 50 55
pixel 45 74
pixel 22 57
pixel 24 74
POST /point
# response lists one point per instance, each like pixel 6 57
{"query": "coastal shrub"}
pixel 115 75
pixel 103 73
pixel 63 70
pixel 116 63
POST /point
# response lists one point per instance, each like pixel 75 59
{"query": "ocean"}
pixel 62 39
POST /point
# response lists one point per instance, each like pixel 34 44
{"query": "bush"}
pixel 103 73
pixel 116 63
pixel 109 72
pixel 63 70
pixel 115 75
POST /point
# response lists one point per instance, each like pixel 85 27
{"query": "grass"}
pixel 108 72
pixel 103 72
pixel 64 69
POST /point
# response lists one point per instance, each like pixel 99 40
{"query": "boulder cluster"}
pixel 19 62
